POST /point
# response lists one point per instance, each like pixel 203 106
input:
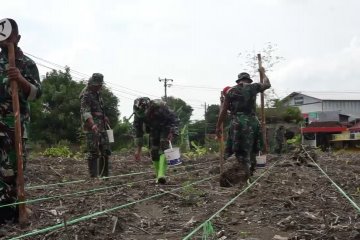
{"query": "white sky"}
pixel 194 42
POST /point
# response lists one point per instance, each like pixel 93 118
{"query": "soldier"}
pixel 94 125
pixel 279 139
pixel 240 100
pixel 27 77
pixel 156 118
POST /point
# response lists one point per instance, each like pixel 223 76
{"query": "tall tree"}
pixel 182 110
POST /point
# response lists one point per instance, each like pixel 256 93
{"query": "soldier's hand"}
pixel 261 69
pixel 13 74
pixel 218 133
pixel 94 128
pixel 170 136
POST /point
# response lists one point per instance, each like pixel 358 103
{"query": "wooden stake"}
pixel 263 124
pixel 18 139
pixel 222 136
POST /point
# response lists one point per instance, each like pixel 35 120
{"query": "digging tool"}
pixel 222 135
pixel 5 33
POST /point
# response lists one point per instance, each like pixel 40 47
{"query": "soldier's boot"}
pixel 156 168
pixel 245 165
pixel 162 169
pixel 104 166
pixel 92 164
pixel 253 163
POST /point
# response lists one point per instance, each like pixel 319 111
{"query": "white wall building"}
pixel 347 103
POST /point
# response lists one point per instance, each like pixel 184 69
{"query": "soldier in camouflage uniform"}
pixel 27 77
pixel 94 125
pixel 245 135
pixel 155 118
pixel 279 139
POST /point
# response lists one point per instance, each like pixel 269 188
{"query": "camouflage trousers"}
pixel 158 142
pixel 8 169
pixel 244 139
pixel 98 152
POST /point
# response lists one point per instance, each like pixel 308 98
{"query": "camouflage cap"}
pixel 96 79
pixel 244 76
pixel 141 103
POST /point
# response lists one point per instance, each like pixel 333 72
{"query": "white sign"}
pixel 5 29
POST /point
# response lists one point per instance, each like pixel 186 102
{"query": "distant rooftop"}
pixel 345 96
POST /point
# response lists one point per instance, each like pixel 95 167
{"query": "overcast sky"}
pixel 194 42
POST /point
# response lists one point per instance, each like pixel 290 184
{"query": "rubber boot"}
pixel 92 164
pixel 156 167
pixel 162 169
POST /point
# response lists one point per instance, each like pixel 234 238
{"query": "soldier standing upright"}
pixel 240 100
pixel 27 77
pixel 156 118
pixel 94 125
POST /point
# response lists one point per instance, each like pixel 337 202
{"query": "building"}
pixel 345 103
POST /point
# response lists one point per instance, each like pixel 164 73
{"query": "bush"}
pixel 58 151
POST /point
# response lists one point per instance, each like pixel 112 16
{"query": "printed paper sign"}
pixel 5 29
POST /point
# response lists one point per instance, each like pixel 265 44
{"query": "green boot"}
pixel 156 167
pixel 162 169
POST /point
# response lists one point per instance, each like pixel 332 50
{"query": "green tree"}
pixel 211 116
pixel 182 110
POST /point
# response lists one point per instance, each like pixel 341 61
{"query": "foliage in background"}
pixel 182 110
pixel 196 151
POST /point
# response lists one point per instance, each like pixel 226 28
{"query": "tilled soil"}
pixel 292 200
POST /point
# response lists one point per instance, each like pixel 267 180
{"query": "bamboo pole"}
pixel 222 136
pixel 263 124
pixel 18 139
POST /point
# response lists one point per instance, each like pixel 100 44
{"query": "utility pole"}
pixel 205 122
pixel 166 85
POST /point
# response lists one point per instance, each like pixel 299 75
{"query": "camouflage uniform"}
pixel 244 134
pixel 279 139
pixel 8 161
pixel 157 120
pixel 97 144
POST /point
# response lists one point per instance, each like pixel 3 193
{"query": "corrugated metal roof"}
pixel 345 96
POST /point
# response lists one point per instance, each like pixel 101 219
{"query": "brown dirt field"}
pixel 294 201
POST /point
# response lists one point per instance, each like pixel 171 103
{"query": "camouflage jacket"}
pixel 91 105
pixel 30 72
pixel 158 117
pixel 242 98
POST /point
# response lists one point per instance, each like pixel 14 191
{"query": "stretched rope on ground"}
pixel 90 191
pixel 228 203
pixel 86 217
pixel 336 186
pixel 116 176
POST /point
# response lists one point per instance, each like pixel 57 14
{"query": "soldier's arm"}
pixel 266 84
pixel 139 132
pixel 222 116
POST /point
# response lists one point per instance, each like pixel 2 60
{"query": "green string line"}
pixel 87 191
pixel 336 186
pixel 86 217
pixel 79 181
pixel 228 203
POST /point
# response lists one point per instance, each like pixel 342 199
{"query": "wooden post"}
pixel 263 124
pixel 222 136
pixel 18 139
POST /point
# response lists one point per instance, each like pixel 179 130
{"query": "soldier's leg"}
pixel 92 156
pixel 229 143
pixel 156 156
pixel 243 142
pixel 8 190
pixel 105 154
